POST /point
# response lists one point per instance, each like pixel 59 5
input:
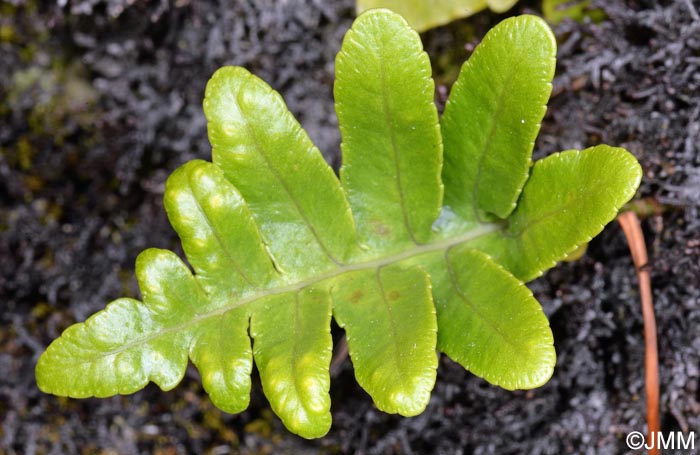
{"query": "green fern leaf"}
pixel 278 245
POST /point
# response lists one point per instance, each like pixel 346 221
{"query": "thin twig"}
pixel 630 226
pixel 693 12
pixel 339 357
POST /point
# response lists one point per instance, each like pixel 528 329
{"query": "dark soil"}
pixel 101 100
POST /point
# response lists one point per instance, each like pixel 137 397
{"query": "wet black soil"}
pixel 101 100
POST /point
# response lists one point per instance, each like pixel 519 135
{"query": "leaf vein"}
pixel 486 150
pixel 386 110
pixel 283 183
pixel 418 250
pixel 235 263
pixel 392 323
pixel 476 310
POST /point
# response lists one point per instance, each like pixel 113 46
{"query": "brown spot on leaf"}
pixel 394 295
pixel 356 296
pixel 381 229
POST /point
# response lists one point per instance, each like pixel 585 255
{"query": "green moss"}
pixel 556 11
pixel 25 153
pixel 446 61
pixel 65 100
pixel 8 34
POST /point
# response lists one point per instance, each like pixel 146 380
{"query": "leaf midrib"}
pixel 397 348
pixel 487 148
pixel 263 153
pixel 418 250
pixel 219 240
pixel 576 201
pixel 386 110
pixel 474 308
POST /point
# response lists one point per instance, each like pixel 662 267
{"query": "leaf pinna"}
pixel 422 245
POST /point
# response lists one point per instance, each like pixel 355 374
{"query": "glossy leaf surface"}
pixel 493 115
pixel 279 246
pixel 567 201
pixel 389 317
pixel 388 123
pixel 292 333
pixel 269 158
pixel 120 349
pixel 490 323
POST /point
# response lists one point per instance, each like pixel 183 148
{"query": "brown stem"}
pixel 339 357
pixel 630 226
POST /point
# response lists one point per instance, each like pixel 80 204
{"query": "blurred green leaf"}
pixel 556 11
pixel 425 14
